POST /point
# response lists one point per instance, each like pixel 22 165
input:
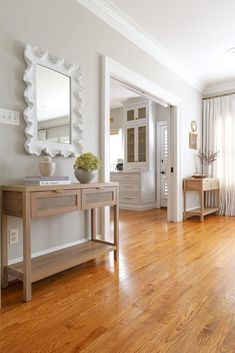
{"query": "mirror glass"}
pixel 53 106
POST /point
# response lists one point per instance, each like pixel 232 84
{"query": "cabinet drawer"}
pixel 129 177
pixel 48 203
pixel 129 198
pixel 116 177
pixel 99 197
pixel 129 186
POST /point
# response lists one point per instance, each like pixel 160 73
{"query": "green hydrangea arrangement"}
pixel 87 161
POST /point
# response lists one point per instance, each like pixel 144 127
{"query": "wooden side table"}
pixel 201 185
pixel 29 202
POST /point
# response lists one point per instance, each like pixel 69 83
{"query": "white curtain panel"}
pixel 219 135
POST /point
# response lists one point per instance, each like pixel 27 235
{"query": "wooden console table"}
pixel 202 185
pixel 30 202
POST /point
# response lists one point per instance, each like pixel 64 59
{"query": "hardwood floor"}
pixel 173 291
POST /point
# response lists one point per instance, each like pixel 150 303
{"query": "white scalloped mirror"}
pixel 53 95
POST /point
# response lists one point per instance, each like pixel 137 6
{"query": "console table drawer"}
pixel 98 197
pixel 211 184
pixel 47 203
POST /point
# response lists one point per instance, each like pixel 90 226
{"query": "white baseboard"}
pixel 48 251
pixel 132 207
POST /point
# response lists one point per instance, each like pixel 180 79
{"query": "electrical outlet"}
pixel 14 236
pixel 10 117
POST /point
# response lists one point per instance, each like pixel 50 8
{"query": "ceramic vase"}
pixel 47 167
pixel 84 176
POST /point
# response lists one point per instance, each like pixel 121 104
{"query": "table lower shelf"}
pixel 57 261
pixel 198 211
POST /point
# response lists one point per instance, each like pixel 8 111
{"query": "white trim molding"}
pixel 216 88
pixel 33 57
pixel 111 69
pixel 114 17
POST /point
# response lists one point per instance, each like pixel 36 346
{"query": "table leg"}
pixel 27 277
pixel 202 205
pixel 218 199
pixel 93 224
pixel 116 231
pixel 185 214
pixel 4 248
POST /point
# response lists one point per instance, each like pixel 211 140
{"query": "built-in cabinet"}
pixel 137 181
pixel 136 189
pixel 139 136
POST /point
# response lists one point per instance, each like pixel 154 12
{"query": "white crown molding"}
pixel 113 16
pixel 222 87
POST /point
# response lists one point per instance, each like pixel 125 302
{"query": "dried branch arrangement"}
pixel 208 158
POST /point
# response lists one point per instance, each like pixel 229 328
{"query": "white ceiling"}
pixel 198 33
pixel 118 94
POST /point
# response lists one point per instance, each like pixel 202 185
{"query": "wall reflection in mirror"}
pixel 53 106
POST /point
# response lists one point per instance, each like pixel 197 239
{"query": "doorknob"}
pixel 163 173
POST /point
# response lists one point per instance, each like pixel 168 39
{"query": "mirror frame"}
pixel 34 56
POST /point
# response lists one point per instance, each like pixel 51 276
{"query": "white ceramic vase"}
pixel 84 176
pixel 47 167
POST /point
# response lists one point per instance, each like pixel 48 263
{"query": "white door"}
pixel 163 166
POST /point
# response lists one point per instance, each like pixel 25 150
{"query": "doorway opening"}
pixel 138 148
pixel 136 152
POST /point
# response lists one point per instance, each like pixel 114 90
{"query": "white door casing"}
pixel 113 69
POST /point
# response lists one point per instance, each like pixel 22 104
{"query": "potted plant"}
pixel 85 166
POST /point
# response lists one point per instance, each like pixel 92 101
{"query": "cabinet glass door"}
pixel 142 144
pixel 131 145
pixel 130 115
pixel 142 113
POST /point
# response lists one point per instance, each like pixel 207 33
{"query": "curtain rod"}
pixel 219 95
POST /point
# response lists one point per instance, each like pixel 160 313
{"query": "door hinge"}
pixel 172 170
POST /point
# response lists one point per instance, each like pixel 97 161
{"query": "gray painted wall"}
pixel 68 30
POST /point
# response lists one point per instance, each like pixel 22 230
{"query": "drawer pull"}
pixel 59 191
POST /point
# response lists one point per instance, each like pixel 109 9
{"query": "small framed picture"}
pixel 193 141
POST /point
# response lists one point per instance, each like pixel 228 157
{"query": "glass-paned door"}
pixel 142 144
pixel 130 115
pixel 130 145
pixel 142 113
pixel 163 156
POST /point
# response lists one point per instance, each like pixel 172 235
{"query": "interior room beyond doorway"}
pixel 138 148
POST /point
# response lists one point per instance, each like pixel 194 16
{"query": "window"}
pixel 116 147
